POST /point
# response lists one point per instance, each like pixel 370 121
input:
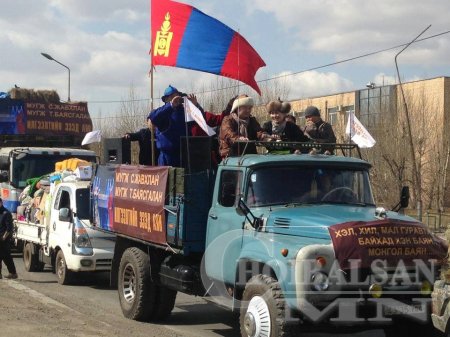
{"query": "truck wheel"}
pixel 137 292
pixel 63 274
pixel 165 303
pixel 263 308
pixel 29 257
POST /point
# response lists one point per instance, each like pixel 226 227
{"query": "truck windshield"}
pixel 36 165
pixel 82 200
pixel 308 185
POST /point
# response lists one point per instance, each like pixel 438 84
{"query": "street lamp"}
pixel 47 56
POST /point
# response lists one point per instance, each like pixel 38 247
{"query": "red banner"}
pixel 139 195
pixel 390 240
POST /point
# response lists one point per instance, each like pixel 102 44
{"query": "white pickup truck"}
pixel 68 242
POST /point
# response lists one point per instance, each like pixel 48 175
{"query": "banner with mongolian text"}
pixel 389 240
pixel 40 118
pixel 138 202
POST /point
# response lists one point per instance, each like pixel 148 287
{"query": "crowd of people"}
pixel 235 128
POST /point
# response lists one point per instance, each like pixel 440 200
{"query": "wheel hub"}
pixel 257 318
pixel 249 324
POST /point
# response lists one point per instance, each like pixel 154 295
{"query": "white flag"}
pixel 358 132
pixel 194 114
pixel 92 137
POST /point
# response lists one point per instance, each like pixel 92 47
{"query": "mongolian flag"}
pixel 184 37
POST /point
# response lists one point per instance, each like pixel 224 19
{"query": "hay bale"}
pixel 48 96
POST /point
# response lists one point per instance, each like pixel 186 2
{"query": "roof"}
pixel 39 150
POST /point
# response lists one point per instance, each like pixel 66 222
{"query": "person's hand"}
pixel 176 101
pixel 242 138
pixel 126 136
pixel 193 99
pixel 309 123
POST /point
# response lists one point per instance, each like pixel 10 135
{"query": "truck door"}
pixel 61 230
pixel 224 232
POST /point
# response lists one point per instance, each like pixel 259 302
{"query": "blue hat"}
pixel 170 90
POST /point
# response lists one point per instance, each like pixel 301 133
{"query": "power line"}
pixel 294 73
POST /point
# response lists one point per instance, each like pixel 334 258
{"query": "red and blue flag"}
pixel 184 37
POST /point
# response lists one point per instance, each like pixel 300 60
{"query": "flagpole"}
pixel 152 128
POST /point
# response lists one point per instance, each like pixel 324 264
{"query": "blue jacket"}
pixel 170 127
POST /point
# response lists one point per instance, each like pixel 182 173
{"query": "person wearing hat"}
pixel 279 127
pixel 6 229
pixel 239 127
pixel 317 129
pixel 170 124
pixel 144 139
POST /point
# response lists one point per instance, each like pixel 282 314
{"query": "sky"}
pixel 106 44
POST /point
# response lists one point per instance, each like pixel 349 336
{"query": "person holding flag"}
pixel 171 125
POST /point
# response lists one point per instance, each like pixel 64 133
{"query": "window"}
pixel 373 102
pixel 63 201
pixel 230 185
pixel 306 185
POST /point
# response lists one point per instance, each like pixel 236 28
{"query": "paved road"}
pixel 93 299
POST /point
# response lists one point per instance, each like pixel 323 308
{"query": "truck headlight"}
pixel 319 281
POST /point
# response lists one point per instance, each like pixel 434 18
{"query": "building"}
pixel 381 109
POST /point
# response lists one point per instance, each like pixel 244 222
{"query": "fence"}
pixel 435 221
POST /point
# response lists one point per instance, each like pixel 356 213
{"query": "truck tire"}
pixel 165 303
pixel 31 259
pixel 263 308
pixel 63 274
pixel 137 292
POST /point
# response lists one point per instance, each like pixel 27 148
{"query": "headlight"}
pixel 319 281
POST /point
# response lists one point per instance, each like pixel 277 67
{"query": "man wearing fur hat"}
pixel 317 129
pixel 239 127
pixel 278 127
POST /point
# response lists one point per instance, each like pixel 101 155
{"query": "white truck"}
pixel 66 239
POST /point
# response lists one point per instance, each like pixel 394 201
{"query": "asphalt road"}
pixel 97 306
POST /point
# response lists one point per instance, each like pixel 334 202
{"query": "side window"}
pixel 64 200
pixel 230 184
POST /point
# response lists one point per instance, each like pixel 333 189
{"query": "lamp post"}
pixel 47 56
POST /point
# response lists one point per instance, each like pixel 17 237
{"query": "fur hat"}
pixel 242 101
pixel 273 106
pixel 312 111
pixel 285 107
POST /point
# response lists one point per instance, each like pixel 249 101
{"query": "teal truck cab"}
pixel 284 239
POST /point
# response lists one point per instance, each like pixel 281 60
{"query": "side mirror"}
pixel 64 215
pixel 404 197
pixel 4 176
pixel 243 210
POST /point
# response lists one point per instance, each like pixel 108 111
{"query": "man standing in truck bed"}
pixel 6 229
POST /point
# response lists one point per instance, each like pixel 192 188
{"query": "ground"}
pixel 24 312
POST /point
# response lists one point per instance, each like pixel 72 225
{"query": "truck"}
pixel 19 163
pixel 64 238
pixel 283 240
pixel 36 131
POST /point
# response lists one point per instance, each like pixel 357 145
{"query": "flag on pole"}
pixel 92 137
pixel 184 37
pixel 194 114
pixel 358 132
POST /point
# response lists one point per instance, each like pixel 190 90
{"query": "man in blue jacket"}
pixel 170 124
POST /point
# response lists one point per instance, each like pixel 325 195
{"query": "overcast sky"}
pixel 106 43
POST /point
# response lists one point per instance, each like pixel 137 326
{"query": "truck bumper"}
pixel 440 305
pixel 101 260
